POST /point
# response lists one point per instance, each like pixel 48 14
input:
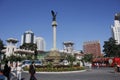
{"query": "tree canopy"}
pixel 29 46
pixel 111 48
pixel 88 57
pixel 1 45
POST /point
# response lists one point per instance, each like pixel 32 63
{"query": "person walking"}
pixel 7 70
pixel 13 71
pixel 32 71
pixel 19 71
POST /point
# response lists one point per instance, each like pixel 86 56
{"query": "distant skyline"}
pixel 78 20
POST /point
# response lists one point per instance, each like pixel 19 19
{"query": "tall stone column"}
pixel 54 25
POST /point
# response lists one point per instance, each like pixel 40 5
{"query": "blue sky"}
pixel 78 20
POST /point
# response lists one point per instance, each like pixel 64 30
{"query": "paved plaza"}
pixel 94 74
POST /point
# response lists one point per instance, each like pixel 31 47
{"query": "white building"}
pixel 68 47
pixel 11 46
pixel 27 37
pixel 40 43
pixel 116 28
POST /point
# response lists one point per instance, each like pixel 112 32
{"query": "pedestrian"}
pixel 13 71
pixel 32 71
pixel 7 70
pixel 19 71
pixel 2 77
pixel 97 65
pixel 90 66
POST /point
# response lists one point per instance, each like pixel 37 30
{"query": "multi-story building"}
pixel 27 37
pixel 92 47
pixel 40 43
pixel 116 28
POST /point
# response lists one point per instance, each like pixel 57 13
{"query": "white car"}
pixel 65 62
pixel 38 63
pixel 26 63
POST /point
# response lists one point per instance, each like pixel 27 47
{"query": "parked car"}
pixel 64 62
pixel 38 63
pixel 26 63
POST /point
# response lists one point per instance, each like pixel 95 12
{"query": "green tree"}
pixel 71 59
pixel 111 49
pixel 30 46
pixel 14 58
pixel 88 57
pixel 1 47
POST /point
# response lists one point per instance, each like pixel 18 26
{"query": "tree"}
pixel 30 46
pixel 111 49
pixel 88 57
pixel 1 47
pixel 71 59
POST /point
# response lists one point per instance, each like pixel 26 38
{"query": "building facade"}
pixel 11 46
pixel 92 47
pixel 68 47
pixel 40 42
pixel 27 37
pixel 116 28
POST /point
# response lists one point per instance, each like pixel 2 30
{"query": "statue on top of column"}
pixel 54 15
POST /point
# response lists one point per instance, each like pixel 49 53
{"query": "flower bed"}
pixel 56 68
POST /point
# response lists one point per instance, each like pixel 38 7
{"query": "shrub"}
pixel 57 68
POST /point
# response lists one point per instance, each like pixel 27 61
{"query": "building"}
pixel 116 28
pixel 27 37
pixel 92 47
pixel 40 42
pixel 11 46
pixel 68 47
pixel 11 49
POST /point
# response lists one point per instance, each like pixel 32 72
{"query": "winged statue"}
pixel 54 15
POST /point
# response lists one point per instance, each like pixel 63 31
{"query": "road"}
pixel 94 74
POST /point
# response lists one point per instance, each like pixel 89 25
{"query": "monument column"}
pixel 54 25
pixel 54 55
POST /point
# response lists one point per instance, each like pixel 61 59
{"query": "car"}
pixel 64 62
pixel 26 63
pixel 38 63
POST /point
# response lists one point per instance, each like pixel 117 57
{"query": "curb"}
pixel 59 72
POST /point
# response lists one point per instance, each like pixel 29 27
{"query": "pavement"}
pixel 59 72
pixel 94 74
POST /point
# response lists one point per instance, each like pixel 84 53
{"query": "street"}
pixel 94 74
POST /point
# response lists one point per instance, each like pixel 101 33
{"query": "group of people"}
pixel 13 71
